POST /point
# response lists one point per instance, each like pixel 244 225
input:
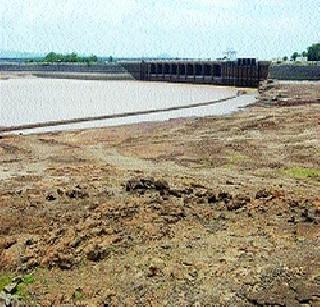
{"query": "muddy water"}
pixel 27 101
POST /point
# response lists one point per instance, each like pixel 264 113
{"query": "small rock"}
pixel 29 241
pixel 161 185
pixel 212 199
pixel 93 206
pixel 75 242
pixel 96 253
pixel 11 288
pixel 51 196
pixel 60 192
pixel 77 193
pixel 264 194
pixel 165 246
pixel 65 265
pixel 185 263
pixel 9 242
pixel 175 193
pixel 142 184
pixel 311 215
pixel 65 262
pixel 153 271
pixel 225 197
pixel 237 203
pixel 5 299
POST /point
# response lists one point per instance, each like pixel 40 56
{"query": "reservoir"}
pixel 35 100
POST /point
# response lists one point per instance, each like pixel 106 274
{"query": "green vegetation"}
pixel 302 172
pixel 5 279
pixel 22 287
pixel 295 55
pixel 236 158
pixel 78 295
pixel 72 58
pixel 28 279
pixel 313 53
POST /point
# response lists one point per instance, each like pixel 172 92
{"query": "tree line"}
pixel 72 58
pixel 312 53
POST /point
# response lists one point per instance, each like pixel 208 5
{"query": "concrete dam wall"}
pixel 295 72
pixel 241 72
pixel 109 71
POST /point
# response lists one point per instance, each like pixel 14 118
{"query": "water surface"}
pixel 27 101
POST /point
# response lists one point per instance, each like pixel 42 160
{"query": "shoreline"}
pixel 177 109
pixel 118 115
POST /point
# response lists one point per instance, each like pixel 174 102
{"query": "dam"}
pixel 246 72
pixel 135 91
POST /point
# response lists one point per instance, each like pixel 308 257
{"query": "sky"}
pixel 178 28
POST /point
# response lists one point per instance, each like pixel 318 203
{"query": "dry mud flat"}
pixel 215 210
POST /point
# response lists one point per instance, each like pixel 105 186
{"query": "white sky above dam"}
pixel 185 28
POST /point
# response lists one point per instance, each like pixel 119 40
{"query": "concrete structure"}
pixel 101 71
pixel 101 68
pixel 309 71
pixel 242 72
pixel 301 59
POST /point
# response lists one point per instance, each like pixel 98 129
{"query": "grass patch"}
pixel 28 279
pixel 302 172
pixel 22 287
pixel 236 158
pixel 5 279
pixel 21 290
pixel 78 295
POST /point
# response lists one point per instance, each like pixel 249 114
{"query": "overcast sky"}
pixel 185 28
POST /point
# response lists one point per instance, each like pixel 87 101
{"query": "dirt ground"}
pixel 218 211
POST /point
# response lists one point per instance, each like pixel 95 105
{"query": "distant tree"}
pixel 285 58
pixel 73 57
pixel 314 52
pixel 51 57
pixel 93 58
pixel 295 55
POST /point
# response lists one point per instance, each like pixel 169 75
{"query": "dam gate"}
pixel 247 72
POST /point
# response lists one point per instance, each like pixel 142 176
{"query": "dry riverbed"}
pixel 214 210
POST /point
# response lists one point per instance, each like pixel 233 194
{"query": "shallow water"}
pixel 25 101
